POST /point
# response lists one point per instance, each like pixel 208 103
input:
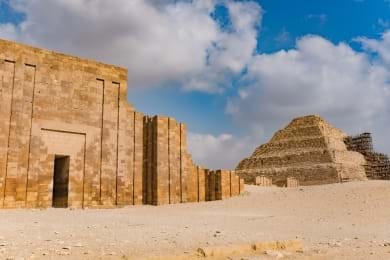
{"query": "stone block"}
pixel 174 162
pixel 222 190
pixel 201 184
pixel 234 184
pixel 241 185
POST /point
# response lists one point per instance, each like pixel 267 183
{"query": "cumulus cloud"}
pixel 316 77
pixel 350 89
pixel 221 151
pixel 171 42
pixel 381 47
pixel 161 42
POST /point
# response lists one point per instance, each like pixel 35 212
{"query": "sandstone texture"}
pixel 69 138
pixel 309 150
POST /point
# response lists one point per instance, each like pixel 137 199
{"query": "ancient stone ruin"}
pixel 69 138
pixel 308 151
pixel 377 164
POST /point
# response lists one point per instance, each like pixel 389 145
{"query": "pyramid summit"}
pixel 308 149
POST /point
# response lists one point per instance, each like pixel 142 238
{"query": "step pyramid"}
pixel 308 149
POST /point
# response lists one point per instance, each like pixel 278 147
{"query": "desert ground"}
pixel 337 221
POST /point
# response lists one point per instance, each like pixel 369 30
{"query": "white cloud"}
pixel 223 151
pixel 178 42
pixel 348 88
pixel 380 47
pixel 316 77
pixel 161 42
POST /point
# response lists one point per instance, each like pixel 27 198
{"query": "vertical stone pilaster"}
pixel 148 153
pixel 138 157
pixel 207 185
pixel 20 131
pixel 201 184
pixel 184 169
pixel 241 185
pixel 211 186
pixel 234 184
pixel 222 185
pixel 162 163
pixel 109 144
pixel 126 153
pixel 192 183
pixel 6 92
pixel 174 161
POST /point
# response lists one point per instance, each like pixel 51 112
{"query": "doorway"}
pixel 61 181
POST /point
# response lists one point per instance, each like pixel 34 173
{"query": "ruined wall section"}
pixel 378 164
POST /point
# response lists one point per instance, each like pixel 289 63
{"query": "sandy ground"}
pixel 339 221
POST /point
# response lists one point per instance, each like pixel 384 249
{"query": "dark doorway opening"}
pixel 61 181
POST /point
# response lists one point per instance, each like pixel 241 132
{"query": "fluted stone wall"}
pixel 55 105
pixel 170 172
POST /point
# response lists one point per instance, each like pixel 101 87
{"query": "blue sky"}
pixel 219 66
pixel 333 19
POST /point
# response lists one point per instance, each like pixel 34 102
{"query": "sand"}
pixel 338 221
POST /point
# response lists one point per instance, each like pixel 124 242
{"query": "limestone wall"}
pixel 222 184
pixel 175 178
pixel 263 181
pixel 57 104
pixel 53 104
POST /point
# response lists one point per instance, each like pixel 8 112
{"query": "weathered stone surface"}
pixel 222 182
pixel 65 106
pixel 292 182
pixel 263 181
pixel 202 183
pixel 378 164
pixel 64 115
pixel 308 149
pixel 211 186
pixel 234 184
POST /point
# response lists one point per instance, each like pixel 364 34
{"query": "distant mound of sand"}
pixel 308 149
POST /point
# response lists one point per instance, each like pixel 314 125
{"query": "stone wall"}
pixel 170 172
pixel 378 164
pixel 54 105
pixel 263 181
pixel 222 184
